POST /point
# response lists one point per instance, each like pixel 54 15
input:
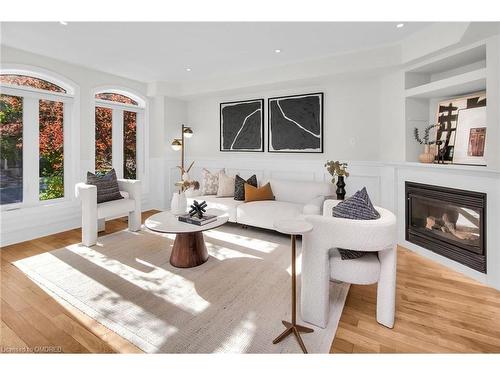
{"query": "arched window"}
pixel 34 121
pixel 118 98
pixel 119 119
pixel 36 83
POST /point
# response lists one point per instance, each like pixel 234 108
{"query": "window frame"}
pixel 31 132
pixel 117 130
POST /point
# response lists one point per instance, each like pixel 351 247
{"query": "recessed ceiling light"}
pixel 277 51
pixel 64 23
pixel 188 69
pixel 400 25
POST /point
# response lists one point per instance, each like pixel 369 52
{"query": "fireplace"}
pixel 449 222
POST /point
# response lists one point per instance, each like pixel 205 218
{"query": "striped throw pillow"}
pixel 357 207
pixel 107 186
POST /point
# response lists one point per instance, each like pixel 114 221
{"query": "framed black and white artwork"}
pixel 447 116
pixel 242 126
pixel 295 123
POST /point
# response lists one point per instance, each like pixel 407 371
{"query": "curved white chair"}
pixel 321 262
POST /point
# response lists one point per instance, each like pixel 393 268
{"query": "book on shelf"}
pixel 196 220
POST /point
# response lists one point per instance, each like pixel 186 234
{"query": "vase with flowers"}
pixel 339 170
pixel 429 154
pixel 186 187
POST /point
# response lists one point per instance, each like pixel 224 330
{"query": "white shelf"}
pixel 451 60
pixel 460 84
pixel 446 167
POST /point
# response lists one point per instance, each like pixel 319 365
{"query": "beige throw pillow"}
pixel 209 182
pixel 226 185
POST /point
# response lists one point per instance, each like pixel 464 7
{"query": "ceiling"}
pixel 162 51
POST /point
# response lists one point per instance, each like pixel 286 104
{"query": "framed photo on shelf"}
pixel 242 125
pixel 470 144
pixel 447 116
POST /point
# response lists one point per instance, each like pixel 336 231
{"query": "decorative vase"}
pixel 178 205
pixel 427 156
pixel 340 188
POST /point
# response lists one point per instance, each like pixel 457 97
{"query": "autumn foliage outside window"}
pixel 104 130
pixel 11 149
pixel 103 138
pixel 51 142
pixel 129 145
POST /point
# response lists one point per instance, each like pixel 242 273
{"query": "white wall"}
pixel 392 131
pixel 352 120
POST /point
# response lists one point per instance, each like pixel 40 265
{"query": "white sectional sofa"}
pixel 292 199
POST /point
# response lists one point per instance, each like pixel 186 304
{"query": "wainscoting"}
pixel 363 174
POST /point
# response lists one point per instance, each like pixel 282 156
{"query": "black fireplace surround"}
pixel 449 222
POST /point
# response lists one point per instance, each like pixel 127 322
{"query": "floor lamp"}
pixel 178 144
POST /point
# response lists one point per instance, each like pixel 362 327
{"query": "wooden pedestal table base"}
pixel 189 250
pixel 293 227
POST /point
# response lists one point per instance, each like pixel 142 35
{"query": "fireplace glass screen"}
pixel 447 221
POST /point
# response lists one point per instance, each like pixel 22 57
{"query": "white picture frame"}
pixel 471 133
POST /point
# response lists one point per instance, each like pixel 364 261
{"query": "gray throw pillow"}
pixel 239 186
pixel 107 186
pixel 357 207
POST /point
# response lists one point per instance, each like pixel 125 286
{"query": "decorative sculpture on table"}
pixel 198 209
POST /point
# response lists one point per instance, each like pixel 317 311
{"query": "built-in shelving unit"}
pixel 453 74
pixel 468 82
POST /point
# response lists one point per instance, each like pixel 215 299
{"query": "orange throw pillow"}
pixel 264 193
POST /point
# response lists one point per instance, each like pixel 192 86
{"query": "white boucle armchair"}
pixel 94 215
pixel 321 262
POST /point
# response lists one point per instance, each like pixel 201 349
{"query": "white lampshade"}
pixel 188 133
pixel 176 144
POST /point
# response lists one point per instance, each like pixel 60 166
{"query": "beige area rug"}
pixel 233 303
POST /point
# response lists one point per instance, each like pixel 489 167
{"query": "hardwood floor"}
pixel 438 311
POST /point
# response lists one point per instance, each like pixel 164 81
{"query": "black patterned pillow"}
pixel 357 207
pixel 107 186
pixel 239 186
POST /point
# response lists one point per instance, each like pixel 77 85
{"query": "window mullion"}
pixel 117 145
pixel 30 151
pixel 139 144
pixel 68 173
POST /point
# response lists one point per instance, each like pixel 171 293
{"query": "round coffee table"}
pixel 189 248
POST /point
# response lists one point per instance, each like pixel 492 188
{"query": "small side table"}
pixel 294 228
